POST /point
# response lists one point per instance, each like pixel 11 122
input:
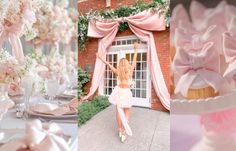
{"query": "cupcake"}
pixel 198 72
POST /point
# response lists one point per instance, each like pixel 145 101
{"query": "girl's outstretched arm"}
pixel 135 55
pixel 113 69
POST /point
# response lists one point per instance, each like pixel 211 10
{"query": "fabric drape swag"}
pixel 142 25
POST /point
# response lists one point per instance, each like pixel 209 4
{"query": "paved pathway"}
pixel 151 132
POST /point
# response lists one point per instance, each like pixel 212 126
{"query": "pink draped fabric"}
pixel 142 25
pixel 13 33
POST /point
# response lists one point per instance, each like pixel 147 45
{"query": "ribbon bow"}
pixel 208 16
pixel 179 14
pixel 189 37
pixel 13 32
pixel 193 63
pixel 40 137
pixel 229 48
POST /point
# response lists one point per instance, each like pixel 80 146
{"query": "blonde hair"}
pixel 124 70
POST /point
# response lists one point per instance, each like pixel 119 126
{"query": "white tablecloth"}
pixel 10 121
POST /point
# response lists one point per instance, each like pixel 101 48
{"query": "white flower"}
pixel 63 3
pixel 30 33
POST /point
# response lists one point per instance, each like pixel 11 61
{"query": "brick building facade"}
pixel 161 39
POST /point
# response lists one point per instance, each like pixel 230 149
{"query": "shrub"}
pixel 88 109
pixel 83 79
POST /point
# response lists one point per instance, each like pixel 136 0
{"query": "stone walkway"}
pixel 151 132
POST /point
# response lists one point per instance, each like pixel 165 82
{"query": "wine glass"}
pixel 51 87
pixel 27 83
pixel 72 75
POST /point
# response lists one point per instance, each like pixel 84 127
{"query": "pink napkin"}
pixel 192 63
pixel 73 104
pixel 39 137
pixel 51 109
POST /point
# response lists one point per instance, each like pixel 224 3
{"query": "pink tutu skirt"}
pixel 121 97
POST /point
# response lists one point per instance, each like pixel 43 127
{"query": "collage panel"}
pixel 38 75
pixel 202 75
pixel 124 57
pixel 117 75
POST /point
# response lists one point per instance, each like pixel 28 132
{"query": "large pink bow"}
pixel 193 63
pixel 39 137
pixel 229 48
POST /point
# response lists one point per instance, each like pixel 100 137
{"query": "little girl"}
pixel 121 96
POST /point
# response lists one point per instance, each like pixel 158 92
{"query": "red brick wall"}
pixel 85 6
pixel 161 38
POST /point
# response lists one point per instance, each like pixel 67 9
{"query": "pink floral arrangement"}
pixel 8 68
pixel 17 12
pixel 11 69
pixel 53 24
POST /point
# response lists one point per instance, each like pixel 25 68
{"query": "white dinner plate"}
pixel 52 116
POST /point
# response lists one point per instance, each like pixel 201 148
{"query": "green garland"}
pixel 123 11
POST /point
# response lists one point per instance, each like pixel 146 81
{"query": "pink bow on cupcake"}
pixel 208 16
pixel 229 48
pixel 192 63
pixel 39 137
pixel 188 37
pixel 179 14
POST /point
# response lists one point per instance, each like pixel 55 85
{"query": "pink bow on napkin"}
pixel 229 49
pixel 39 137
pixel 191 63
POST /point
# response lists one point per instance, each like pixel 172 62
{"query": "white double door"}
pixel 141 90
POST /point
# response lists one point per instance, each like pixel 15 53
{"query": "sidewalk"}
pixel 151 132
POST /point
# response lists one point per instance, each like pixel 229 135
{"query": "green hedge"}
pixel 88 109
pixel 83 79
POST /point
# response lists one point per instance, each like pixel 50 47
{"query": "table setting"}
pixel 27 106
pixel 38 87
